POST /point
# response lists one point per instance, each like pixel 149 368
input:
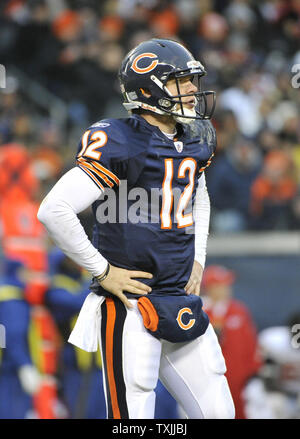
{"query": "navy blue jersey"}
pixel 144 219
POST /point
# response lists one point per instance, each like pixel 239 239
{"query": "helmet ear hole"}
pixel 145 92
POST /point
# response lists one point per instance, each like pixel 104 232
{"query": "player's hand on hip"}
pixel 193 285
pixel 119 280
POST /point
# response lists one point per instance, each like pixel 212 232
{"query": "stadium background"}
pixel 61 59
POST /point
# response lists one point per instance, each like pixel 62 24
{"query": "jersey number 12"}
pixel 187 165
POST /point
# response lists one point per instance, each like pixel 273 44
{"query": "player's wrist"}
pixel 103 275
pixel 200 259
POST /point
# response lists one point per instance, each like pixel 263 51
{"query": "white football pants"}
pixel 133 360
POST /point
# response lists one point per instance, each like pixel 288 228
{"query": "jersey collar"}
pixel 181 129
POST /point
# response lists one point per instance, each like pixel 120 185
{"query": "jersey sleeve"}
pixel 102 154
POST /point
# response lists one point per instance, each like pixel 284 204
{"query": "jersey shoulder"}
pixel 115 127
pixel 204 132
pixel 103 152
pixel 110 150
pixel 115 131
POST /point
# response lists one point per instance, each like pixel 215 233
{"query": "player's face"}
pixel 186 86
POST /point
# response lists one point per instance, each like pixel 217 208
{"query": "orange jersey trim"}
pixel 92 167
pixel 101 169
pixel 207 164
pixel 107 172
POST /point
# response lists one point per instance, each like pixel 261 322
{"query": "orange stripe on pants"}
pixel 111 318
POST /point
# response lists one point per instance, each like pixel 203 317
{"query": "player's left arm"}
pixel 201 213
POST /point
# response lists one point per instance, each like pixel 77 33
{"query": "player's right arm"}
pixel 201 215
pixel 72 194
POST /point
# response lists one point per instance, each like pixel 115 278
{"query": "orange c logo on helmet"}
pixel 141 70
pixel 179 319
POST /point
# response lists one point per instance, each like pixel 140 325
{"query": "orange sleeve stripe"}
pixel 105 171
pixel 111 318
pixel 207 164
pixel 98 173
pixel 92 177
pixel 108 173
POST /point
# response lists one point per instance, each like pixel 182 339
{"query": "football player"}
pixel 144 177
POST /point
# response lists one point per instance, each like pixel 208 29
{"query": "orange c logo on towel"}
pixel 144 69
pixel 179 319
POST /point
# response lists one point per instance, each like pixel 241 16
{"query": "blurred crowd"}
pixel 69 51
pixel 73 49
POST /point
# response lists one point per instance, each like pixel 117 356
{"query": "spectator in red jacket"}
pixel 235 329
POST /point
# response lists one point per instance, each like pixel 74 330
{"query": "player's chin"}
pixel 188 116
